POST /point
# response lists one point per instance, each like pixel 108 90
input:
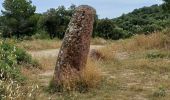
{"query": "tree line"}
pixel 144 20
pixel 19 19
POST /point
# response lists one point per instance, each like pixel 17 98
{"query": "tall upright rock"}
pixel 74 51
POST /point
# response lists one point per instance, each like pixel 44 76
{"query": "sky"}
pixel 104 8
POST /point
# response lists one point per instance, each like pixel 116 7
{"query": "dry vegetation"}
pixel 133 69
pixel 140 68
pixel 35 45
pixel 43 44
pixel 99 41
pixel 153 41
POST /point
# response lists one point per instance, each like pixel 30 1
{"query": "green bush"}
pixel 11 78
pixel 11 58
pixel 24 58
pixel 8 62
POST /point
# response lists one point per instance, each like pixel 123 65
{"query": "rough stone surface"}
pixel 73 53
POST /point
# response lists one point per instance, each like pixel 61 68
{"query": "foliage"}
pixel 41 34
pixel 11 58
pixel 8 62
pixel 107 29
pixel 144 20
pixel 24 58
pixel 166 5
pixel 55 21
pixel 1 24
pixel 18 18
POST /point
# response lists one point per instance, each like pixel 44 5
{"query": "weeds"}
pixel 160 92
pixel 88 78
pixel 136 77
pixel 146 42
pixel 99 41
pixel 107 53
pixel 13 90
pixel 39 44
pixel 12 81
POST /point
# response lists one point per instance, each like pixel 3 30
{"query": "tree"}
pixel 144 20
pixel 49 22
pixel 105 28
pixel 166 5
pixel 94 34
pixel 55 21
pixel 18 18
pixel 1 24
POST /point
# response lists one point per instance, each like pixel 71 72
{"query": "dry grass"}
pixel 153 41
pixel 106 53
pixel 138 43
pixel 99 41
pixel 34 45
pixel 13 90
pixel 90 77
pixel 47 63
pixel 138 77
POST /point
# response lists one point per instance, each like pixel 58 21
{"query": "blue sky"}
pixel 104 8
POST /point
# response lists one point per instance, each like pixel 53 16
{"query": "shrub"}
pixel 11 57
pixel 11 78
pixel 8 62
pixel 105 28
pixel 24 58
pixel 106 54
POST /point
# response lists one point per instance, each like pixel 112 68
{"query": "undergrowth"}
pixel 11 79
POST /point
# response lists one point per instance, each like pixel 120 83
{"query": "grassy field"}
pixel 132 69
pixel 43 44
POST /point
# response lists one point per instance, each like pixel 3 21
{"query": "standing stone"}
pixel 74 51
